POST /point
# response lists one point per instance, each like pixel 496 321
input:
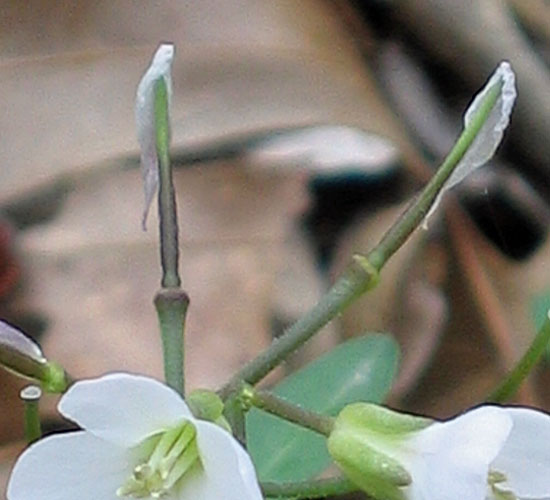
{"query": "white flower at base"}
pixel 139 440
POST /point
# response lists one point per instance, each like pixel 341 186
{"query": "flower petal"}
pixel 145 118
pixel 227 472
pixel 490 135
pixel 71 465
pixel 455 455
pixel 122 408
pixel 525 459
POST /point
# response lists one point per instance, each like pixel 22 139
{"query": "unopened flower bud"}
pixel 22 356
pixel 207 405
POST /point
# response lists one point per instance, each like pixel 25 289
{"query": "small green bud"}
pixel 205 404
pixel 363 444
pixel 246 397
pixel 54 379
pixel 21 355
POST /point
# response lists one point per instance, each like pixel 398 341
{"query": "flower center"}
pixel 174 453
pixel 494 480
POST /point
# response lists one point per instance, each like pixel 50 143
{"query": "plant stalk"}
pixel 171 301
pixel 275 405
pixel 315 488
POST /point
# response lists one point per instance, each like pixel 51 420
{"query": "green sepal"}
pixel 366 442
pixel 205 404
pixel 356 457
pixel 379 419
pixel 54 379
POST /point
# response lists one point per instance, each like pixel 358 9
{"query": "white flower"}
pixel 521 469
pixel 450 460
pixel 488 453
pixel 139 440
pixel 160 67
pixel 397 456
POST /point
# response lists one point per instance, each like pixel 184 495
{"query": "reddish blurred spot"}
pixel 9 268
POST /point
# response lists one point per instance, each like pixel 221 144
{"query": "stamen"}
pixel 184 463
pixel 496 477
pixel 163 446
pixel 495 480
pixel 172 455
pixel 169 460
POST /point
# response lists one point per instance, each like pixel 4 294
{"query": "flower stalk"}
pixel 510 385
pixel 315 488
pixel 153 124
pixel 415 213
pixel 273 404
pixel 169 249
pixel 485 121
pixel 31 396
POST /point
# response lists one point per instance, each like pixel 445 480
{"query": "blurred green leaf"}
pixel 361 369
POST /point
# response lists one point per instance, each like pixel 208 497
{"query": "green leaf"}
pixel 361 369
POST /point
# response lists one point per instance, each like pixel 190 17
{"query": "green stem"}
pixel 357 278
pixel 509 386
pixel 31 396
pixel 362 274
pixel 167 199
pixel 315 488
pixel 171 305
pixel 271 403
pixel 171 302
pixel 234 414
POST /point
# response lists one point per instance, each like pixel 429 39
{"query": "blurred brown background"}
pixel 299 129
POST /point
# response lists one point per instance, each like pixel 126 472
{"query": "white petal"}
pixel 227 473
pixel 525 457
pixel 122 408
pixel 455 455
pixel 487 140
pixel 145 118
pixel 74 465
